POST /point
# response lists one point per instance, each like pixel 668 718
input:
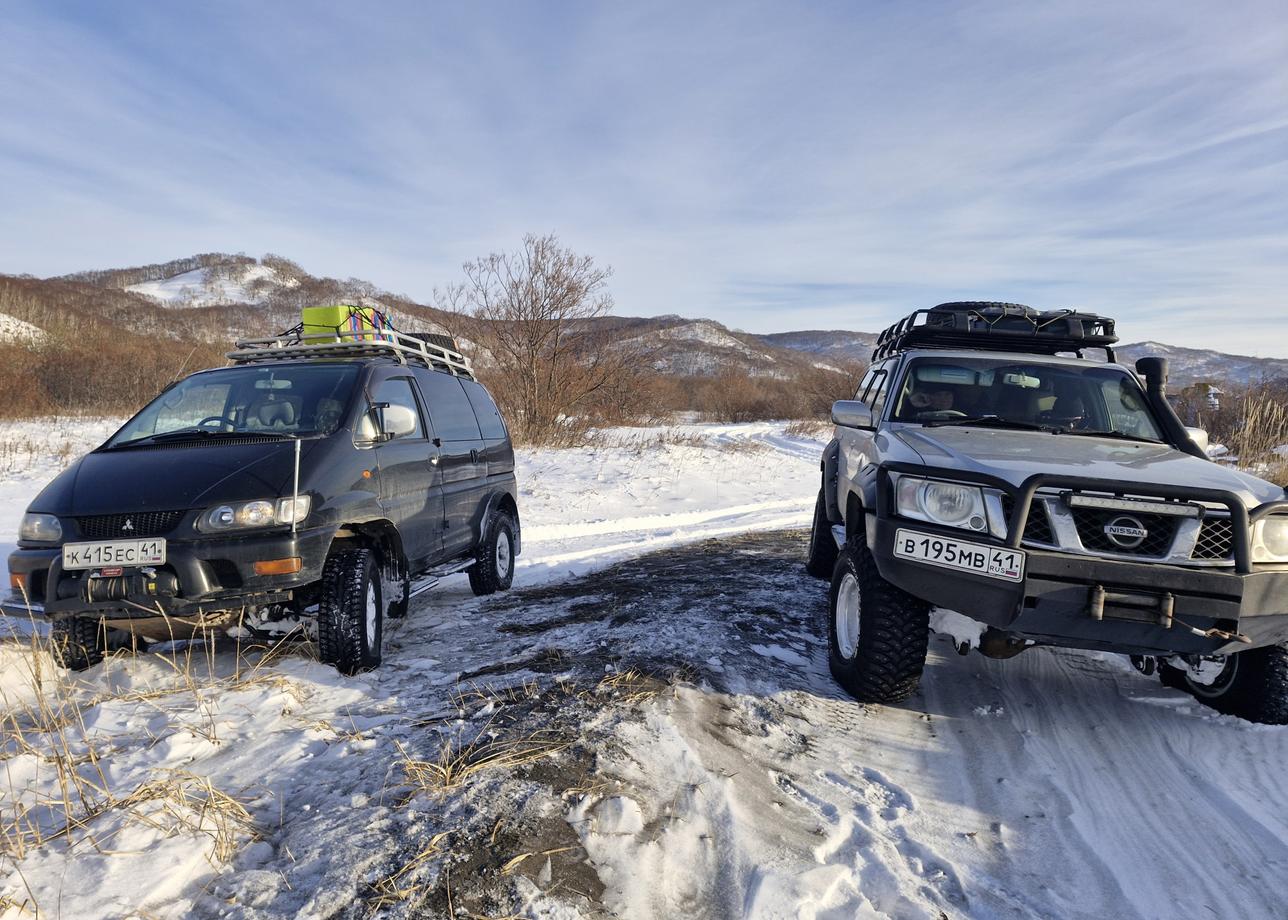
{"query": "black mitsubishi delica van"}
pixel 326 476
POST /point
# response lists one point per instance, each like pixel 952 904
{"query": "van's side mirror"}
pixel 851 413
pixel 1200 437
pixel 397 421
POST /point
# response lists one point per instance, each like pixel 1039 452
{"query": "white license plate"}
pixel 116 552
pixel 976 558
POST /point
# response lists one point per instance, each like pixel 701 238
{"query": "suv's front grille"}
pixel 1160 531
pixel 1037 529
pixel 140 524
pixel 1216 539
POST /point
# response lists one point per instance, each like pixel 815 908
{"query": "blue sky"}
pixel 772 166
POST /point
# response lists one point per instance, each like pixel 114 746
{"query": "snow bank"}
pixel 17 331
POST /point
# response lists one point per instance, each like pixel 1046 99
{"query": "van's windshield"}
pixel 284 399
pixel 992 392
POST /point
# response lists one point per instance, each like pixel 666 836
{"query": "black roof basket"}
pixel 998 327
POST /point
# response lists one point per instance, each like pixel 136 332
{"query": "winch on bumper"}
pixel 1085 601
pixel 198 576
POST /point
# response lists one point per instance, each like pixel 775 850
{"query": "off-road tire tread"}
pixel 894 635
pixel 342 610
pixel 483 577
pixel 821 558
pixel 1260 689
pixel 78 642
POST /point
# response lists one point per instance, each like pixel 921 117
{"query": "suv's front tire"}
pixel 1253 685
pixel 79 642
pixel 351 611
pixel 877 633
pixel 494 569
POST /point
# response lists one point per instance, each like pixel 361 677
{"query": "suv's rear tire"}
pixel 351 611
pixel 821 559
pixel 79 642
pixel 877 633
pixel 1253 685
pixel 494 570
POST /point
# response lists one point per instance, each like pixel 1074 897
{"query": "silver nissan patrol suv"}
pixel 989 467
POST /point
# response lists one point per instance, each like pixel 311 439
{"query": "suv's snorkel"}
pixel 1154 370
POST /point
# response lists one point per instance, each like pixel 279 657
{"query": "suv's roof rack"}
pixel 427 349
pixel 998 327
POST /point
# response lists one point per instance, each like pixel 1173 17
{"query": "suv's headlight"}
pixel 950 504
pixel 40 528
pixel 259 513
pixel 1270 539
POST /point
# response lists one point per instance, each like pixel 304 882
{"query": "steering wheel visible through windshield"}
pixel 1080 399
pixel 285 399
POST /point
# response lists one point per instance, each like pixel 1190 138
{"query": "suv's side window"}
pixel 874 393
pixel 449 407
pixel 489 416
pixel 397 391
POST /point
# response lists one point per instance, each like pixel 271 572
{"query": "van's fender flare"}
pixel 829 466
pixel 502 500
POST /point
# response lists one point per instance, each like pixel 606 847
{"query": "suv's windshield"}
pixel 1003 392
pixel 282 399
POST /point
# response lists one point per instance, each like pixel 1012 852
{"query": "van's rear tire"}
pixel 1253 685
pixel 821 558
pixel 877 634
pixel 351 612
pixel 79 642
pixel 494 569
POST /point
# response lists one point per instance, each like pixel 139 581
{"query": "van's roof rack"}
pixel 437 352
pixel 998 327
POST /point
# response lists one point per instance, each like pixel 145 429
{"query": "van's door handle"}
pixel 474 456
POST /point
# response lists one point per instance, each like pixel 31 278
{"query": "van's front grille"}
pixel 125 526
pixel 1037 529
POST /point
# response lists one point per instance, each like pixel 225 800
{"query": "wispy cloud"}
pixel 824 166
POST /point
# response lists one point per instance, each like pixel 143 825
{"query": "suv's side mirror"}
pixel 1200 437
pixel 851 413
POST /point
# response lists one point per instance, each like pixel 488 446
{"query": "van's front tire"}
pixel 1253 685
pixel 79 642
pixel 877 634
pixel 351 612
pixel 494 569
pixel 821 558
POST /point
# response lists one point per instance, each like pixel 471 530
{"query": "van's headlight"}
pixel 259 513
pixel 1270 539
pixel 950 504
pixel 40 528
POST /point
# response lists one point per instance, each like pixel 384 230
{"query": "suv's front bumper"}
pixel 211 575
pixel 1092 602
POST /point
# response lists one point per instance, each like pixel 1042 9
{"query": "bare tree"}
pixel 536 318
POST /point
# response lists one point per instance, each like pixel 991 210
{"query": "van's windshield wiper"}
pixel 992 421
pixel 194 433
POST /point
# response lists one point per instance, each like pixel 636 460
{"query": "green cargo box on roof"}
pixel 344 318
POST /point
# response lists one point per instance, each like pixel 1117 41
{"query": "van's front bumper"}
pixel 210 575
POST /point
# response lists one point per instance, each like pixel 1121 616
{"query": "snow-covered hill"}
pixel 20 332
pixel 204 287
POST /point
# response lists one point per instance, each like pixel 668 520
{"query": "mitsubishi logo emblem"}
pixel 127 526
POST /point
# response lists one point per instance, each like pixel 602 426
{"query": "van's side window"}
pixel 449 407
pixel 485 410
pixel 397 391
pixel 875 396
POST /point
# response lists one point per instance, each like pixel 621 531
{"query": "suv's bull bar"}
pixel 1091 601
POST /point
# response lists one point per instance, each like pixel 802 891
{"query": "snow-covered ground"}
pixel 644 728
pixel 20 331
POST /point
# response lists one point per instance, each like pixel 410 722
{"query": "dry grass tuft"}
pixel 394 887
pixel 460 759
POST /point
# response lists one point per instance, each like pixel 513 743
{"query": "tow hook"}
pixel 997 643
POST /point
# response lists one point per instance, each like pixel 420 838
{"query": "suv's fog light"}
pixel 18 582
pixel 288 566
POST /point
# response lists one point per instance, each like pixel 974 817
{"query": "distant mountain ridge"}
pixel 218 296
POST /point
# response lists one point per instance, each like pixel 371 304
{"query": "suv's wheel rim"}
pixel 1220 685
pixel 373 612
pixel 504 556
pixel 847 617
